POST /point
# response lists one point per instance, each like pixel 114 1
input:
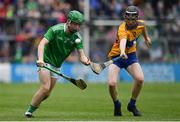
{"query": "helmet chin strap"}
pixel 69 21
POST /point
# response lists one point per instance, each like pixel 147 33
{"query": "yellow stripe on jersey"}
pixel 130 35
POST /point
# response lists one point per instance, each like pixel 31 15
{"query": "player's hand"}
pixel 40 63
pixel 123 55
pixel 148 42
pixel 87 62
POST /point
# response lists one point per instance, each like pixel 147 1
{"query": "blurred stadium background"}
pixel 23 23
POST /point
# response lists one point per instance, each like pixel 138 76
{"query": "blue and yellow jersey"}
pixel 131 36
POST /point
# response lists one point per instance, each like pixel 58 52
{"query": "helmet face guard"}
pixel 131 13
pixel 131 16
pixel 72 26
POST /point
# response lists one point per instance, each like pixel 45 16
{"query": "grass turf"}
pixel 157 102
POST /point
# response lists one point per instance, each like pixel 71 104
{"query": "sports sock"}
pixel 117 104
pixel 132 102
pixel 31 109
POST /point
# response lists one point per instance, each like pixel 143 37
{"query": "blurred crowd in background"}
pixel 24 22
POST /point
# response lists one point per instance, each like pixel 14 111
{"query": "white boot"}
pixel 28 114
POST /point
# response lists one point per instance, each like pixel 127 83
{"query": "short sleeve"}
pixel 79 45
pixel 49 35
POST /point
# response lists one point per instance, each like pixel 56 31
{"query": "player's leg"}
pixel 53 82
pixel 46 86
pixel 136 72
pixel 113 73
pixel 44 91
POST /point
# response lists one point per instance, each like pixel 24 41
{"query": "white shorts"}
pixel 53 75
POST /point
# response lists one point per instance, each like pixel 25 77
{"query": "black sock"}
pixel 132 102
pixel 117 104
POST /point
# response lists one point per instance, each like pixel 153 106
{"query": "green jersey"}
pixel 60 45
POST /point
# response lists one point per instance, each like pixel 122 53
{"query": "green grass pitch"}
pixel 157 102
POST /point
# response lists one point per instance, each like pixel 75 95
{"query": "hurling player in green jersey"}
pixel 58 42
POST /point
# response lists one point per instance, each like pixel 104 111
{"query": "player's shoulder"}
pixel 122 25
pixel 78 35
pixel 141 23
pixel 58 27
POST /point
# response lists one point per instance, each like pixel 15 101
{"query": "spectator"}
pixel 21 10
pixel 32 8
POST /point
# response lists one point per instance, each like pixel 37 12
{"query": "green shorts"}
pixel 53 75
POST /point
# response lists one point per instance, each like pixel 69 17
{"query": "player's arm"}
pixel 122 39
pixel 146 37
pixel 83 58
pixel 40 61
pixel 122 47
